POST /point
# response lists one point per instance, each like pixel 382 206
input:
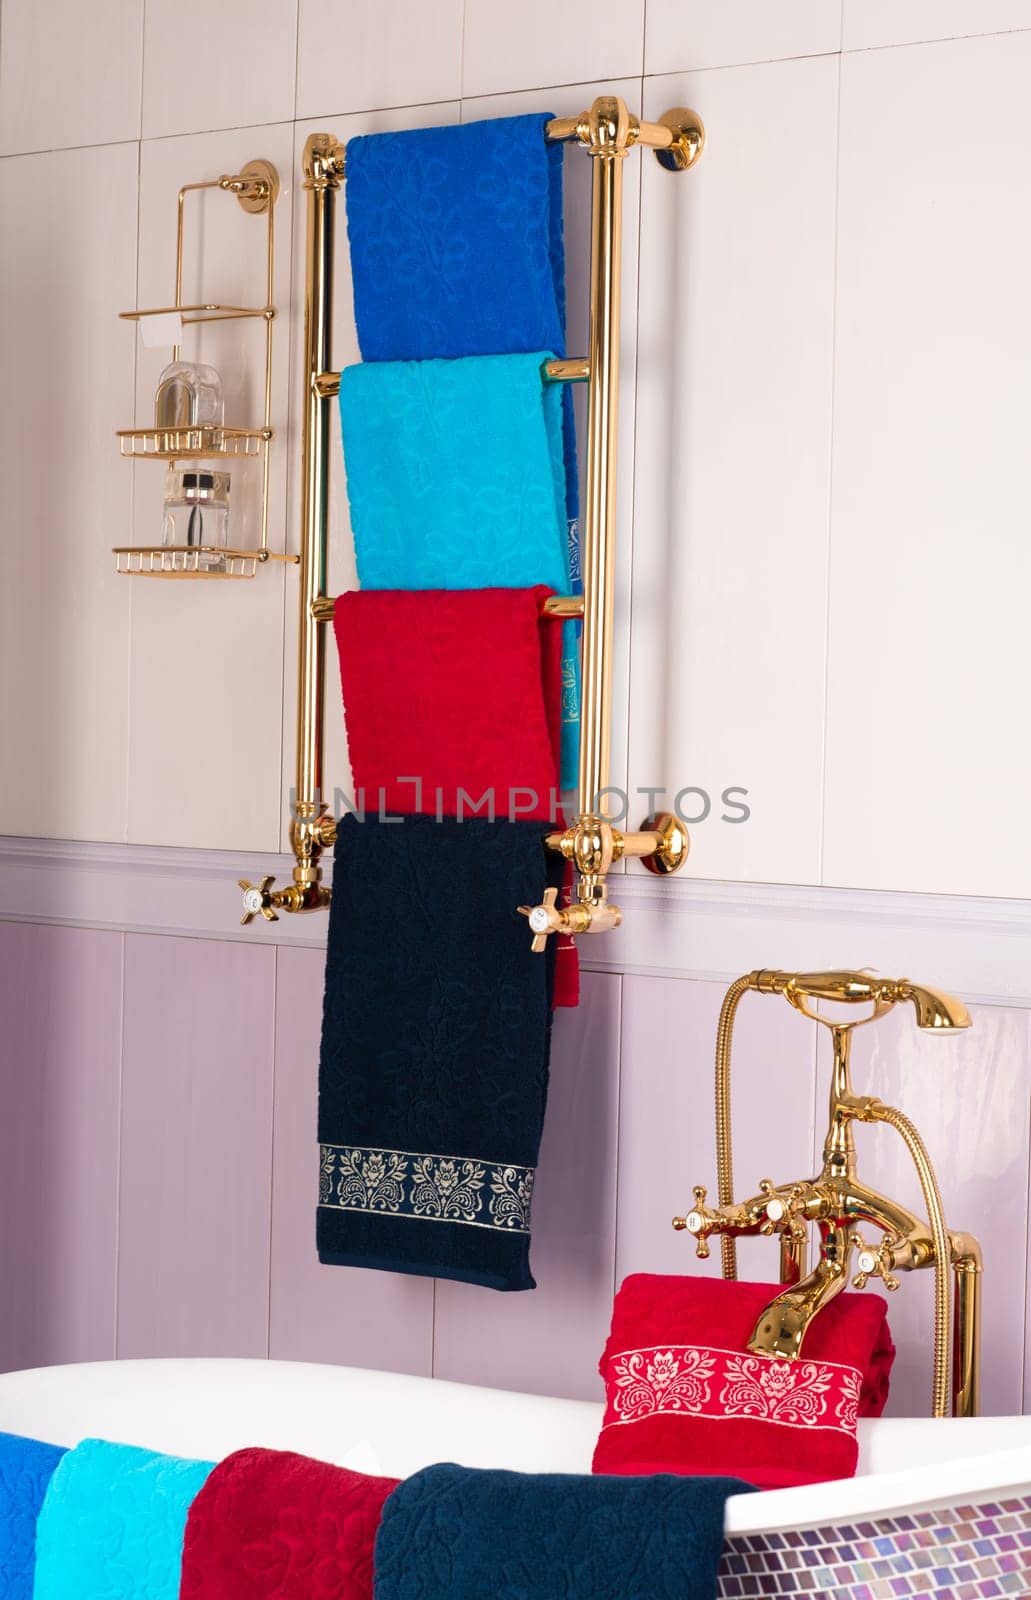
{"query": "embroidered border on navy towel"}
pixel 404 1183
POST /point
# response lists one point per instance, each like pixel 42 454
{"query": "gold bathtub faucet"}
pixel 837 1201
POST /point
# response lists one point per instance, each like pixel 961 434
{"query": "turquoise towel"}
pixel 455 479
pixel 112 1524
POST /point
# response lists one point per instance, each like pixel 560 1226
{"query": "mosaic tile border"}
pixel 963 1552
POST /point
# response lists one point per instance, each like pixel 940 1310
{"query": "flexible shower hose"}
pixel 724 1152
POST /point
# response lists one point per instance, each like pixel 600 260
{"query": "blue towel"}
pixel 455 481
pixel 112 1524
pixel 456 240
pixel 456 247
pixel 455 1533
pixel 435 1041
pixel 26 1467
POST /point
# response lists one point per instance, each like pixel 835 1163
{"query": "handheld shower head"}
pixel 935 1012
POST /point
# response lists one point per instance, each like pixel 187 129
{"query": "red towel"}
pixel 270 1525
pixel 684 1394
pixel 462 691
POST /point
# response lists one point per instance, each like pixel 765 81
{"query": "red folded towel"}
pixel 269 1523
pixel 684 1394
pixel 458 689
pixel 459 694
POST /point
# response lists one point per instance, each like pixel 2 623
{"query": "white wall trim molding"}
pixel 677 928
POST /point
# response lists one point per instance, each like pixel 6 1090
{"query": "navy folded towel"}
pixel 26 1467
pixel 435 1040
pixel 455 1533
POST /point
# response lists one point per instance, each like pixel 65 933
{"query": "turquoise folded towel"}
pixel 26 1467
pixel 112 1524
pixel 456 480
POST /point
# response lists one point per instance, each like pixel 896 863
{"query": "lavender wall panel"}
pixel 549 1339
pixel 339 1314
pixel 59 1067
pixel 666 1119
pixel 970 1097
pixel 195 1193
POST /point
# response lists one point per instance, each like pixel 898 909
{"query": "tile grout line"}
pixel 297 62
pixel 143 64
pixel 272 1149
pixel 828 578
pixel 461 54
pixel 133 481
pixel 1025 1372
pixel 620 1041
pixel 118 1149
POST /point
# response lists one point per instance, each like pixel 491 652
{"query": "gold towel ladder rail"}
pixel 608 131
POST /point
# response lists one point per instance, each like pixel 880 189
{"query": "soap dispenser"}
pixel 189 395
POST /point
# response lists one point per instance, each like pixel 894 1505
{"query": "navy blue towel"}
pixel 454 1533
pixel 457 250
pixel 26 1467
pixel 435 1040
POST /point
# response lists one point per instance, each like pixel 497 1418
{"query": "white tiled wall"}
pixel 826 343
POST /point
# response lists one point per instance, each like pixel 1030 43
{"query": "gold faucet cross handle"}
pixel 875 1263
pixel 697 1222
pixel 544 919
pixel 785 1213
pixel 257 902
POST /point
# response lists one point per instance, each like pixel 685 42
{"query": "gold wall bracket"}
pixel 837 1202
pixel 256 187
pixel 608 131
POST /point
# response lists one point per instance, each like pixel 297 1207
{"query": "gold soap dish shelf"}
pixel 256 187
pixel 172 444
pixel 190 561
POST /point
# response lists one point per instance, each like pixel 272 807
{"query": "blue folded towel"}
pixel 456 240
pixel 26 1467
pixel 455 1533
pixel 112 1524
pixel 455 481
pixel 435 1041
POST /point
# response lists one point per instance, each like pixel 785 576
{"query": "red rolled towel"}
pixel 453 706
pixel 684 1394
pixel 453 700
pixel 271 1525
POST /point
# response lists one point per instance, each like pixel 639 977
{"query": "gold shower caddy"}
pixel 256 187
pixel 608 131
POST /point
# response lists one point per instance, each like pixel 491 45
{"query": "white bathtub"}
pixel 939 1508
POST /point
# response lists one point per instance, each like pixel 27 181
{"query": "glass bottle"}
pixel 196 515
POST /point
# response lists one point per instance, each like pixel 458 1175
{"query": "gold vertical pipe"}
pixel 606 132
pixel 177 349
pixel 321 180
pixel 270 274
pixel 966 1336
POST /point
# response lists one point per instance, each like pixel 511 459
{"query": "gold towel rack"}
pixel 608 131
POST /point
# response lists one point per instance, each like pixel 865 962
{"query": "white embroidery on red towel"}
pixel 699 1381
